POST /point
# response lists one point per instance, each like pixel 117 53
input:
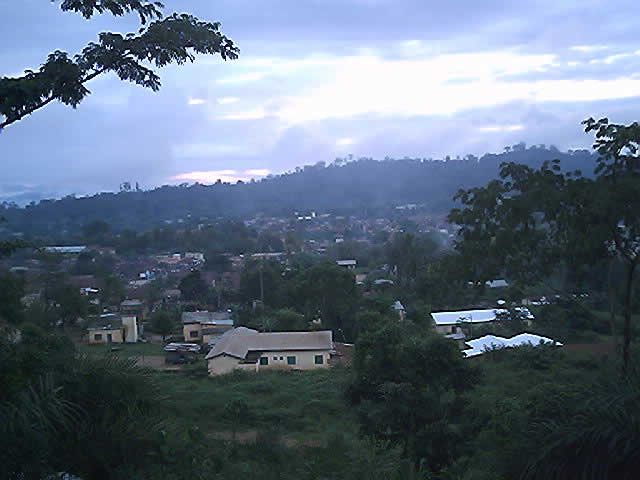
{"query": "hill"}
pixel 365 187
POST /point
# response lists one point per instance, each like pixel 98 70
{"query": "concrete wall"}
pixel 222 364
pixel 130 324
pixel 305 360
pixel 447 329
pixel 192 327
pixel 117 334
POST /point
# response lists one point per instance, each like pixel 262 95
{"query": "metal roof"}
pixel 490 342
pixel 215 318
pixel 238 344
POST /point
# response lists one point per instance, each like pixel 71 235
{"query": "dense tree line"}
pixel 365 186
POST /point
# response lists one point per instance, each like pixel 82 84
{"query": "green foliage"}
pixel 174 39
pixel 11 292
pixel 193 287
pixel 408 386
pixel 162 323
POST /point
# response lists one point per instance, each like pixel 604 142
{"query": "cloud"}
pixel 227 100
pixel 212 176
pixel 197 101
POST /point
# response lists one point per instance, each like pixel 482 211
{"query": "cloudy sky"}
pixel 318 79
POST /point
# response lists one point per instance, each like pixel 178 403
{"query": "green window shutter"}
pixel 319 359
pixel 291 360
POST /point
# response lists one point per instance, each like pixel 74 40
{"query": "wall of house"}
pixel 130 324
pixel 305 360
pixel 117 336
pixel 222 364
pixel 446 329
pixel 210 336
pixel 191 327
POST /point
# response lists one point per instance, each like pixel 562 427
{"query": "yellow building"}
pixel 106 329
pixel 246 349
pixel 194 323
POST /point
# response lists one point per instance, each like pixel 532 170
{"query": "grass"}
pixel 124 349
pixel 302 406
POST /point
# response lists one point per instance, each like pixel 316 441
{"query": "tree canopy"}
pixel 177 38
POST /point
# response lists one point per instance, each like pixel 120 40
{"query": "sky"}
pixel 320 79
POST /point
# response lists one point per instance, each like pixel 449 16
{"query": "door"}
pixel 109 338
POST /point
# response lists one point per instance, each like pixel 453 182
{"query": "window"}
pixel 193 333
pixel 264 360
pixel 291 360
pixel 275 358
pixel 281 358
pixel 319 359
pixel 97 336
pixel 453 329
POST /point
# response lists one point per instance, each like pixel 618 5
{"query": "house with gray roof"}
pixel 245 349
pixel 195 324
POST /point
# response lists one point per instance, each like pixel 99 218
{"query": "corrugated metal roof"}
pixel 238 344
pixel 489 342
pixel 219 318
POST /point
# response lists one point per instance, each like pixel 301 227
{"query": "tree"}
pixel 408 386
pixel 11 292
pixel 66 301
pixel 193 287
pixel 162 41
pixel 162 323
pixel 532 223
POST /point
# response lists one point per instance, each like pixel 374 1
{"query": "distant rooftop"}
pixel 218 318
pixel 68 249
pixel 490 342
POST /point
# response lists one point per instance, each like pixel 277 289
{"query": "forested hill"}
pixel 363 186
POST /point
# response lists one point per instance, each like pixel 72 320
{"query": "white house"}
pixel 481 345
pixel 244 349
pixel 448 323
pixel 349 264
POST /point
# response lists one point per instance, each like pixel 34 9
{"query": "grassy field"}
pixel 306 407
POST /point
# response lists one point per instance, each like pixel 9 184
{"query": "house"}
pixel 399 309
pixel 348 264
pixel 486 343
pixel 131 312
pixel 193 324
pixel 244 349
pixel 450 323
pixel 499 283
pixel 69 250
pixel 106 328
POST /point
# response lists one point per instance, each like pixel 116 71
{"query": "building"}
pixel 399 309
pixel 348 264
pixel 244 349
pixel 450 323
pixel 70 250
pixel 193 324
pixel 106 328
pixel 500 283
pixel 487 343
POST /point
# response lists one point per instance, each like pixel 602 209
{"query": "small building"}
pixel 243 349
pixel 106 328
pixel 348 264
pixel 399 309
pixel 450 322
pixel 66 250
pixel 193 323
pixel 499 283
